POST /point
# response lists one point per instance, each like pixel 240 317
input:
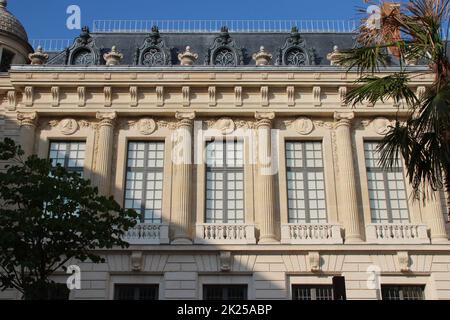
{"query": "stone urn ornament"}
pixel 334 56
pixel 38 57
pixel 187 58
pixel 262 57
pixel 113 58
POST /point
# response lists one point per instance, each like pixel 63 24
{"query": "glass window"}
pixel 387 192
pixel 225 292
pixel 224 182
pixel 144 181
pixel 69 154
pixel 136 292
pixel 305 182
pixel 407 292
pixel 316 292
pixel 6 59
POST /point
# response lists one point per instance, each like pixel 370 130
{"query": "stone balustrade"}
pixel 147 233
pixel 293 233
pixel 383 233
pixel 221 233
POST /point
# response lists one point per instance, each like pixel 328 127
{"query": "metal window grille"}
pixel 408 292
pixel 224 182
pixel 225 292
pixel 387 192
pixel 144 180
pixel 316 292
pixel 305 182
pixel 136 292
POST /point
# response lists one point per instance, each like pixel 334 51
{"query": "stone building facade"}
pixel 252 176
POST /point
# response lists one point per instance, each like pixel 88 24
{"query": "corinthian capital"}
pixel 106 118
pixel 27 118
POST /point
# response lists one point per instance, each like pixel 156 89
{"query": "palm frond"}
pixel 363 58
pixel 373 89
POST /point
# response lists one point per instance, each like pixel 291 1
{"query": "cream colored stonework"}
pixel 108 107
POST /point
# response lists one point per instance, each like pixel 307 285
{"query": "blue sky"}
pixel 46 19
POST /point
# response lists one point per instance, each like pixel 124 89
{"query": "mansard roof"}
pixel 303 49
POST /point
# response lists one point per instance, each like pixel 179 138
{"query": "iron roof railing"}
pixel 137 26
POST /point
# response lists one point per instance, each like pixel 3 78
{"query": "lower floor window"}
pixel 136 292
pixel 225 292
pixel 317 292
pixel 406 292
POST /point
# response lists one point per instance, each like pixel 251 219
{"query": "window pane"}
pixel 407 292
pixel 136 292
pixel 224 182
pixel 144 180
pixel 316 292
pixel 387 191
pixel 68 154
pixel 225 292
pixel 305 182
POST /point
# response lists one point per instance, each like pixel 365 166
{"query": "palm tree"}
pixel 408 33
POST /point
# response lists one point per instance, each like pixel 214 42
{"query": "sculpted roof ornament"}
pixel 224 51
pixel 83 51
pixel 294 51
pixel 262 57
pixel 38 57
pixel 113 57
pixel 187 58
pixel 153 51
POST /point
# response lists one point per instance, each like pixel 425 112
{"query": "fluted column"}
pixel 28 123
pixel 264 197
pixel 435 218
pixel 182 184
pixel 104 151
pixel 348 203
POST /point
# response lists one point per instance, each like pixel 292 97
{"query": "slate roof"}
pixel 128 43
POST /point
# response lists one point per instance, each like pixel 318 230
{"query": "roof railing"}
pixel 198 26
pixel 51 45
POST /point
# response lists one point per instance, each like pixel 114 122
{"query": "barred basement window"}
pixel 144 180
pixel 387 192
pixel 225 292
pixel 69 154
pixel 224 182
pixel 305 182
pixel 316 292
pixel 136 292
pixel 406 292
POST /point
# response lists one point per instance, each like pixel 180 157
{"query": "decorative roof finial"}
pixel 38 57
pixel 262 57
pixel 3 3
pixel 113 58
pixel 334 56
pixel 187 58
pixel 155 29
pixel 224 29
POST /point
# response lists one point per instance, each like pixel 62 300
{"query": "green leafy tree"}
pixel 49 216
pixel 412 32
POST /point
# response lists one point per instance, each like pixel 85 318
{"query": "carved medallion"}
pixel 225 125
pixel 68 126
pixel 146 126
pixel 381 125
pixel 303 126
